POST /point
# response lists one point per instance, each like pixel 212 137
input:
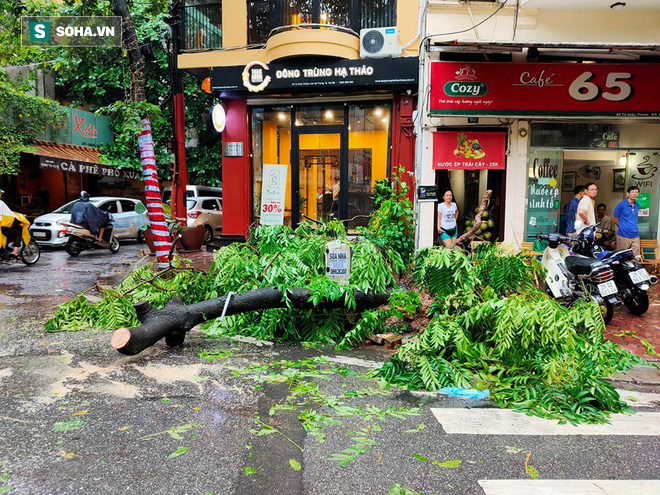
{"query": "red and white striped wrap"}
pixel 159 230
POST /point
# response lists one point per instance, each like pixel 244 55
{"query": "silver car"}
pixel 46 230
pixel 206 211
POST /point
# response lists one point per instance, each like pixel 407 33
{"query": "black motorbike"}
pixel 632 280
pixel 571 277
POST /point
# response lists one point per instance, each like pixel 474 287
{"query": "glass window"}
pixel 271 143
pixel 368 157
pixel 190 204
pixel 377 13
pixel 209 204
pixel 110 207
pixel 335 12
pixel 297 12
pixel 320 115
pixel 202 24
pixel 127 206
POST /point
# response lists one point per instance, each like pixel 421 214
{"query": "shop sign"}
pixel 273 191
pixel 74 166
pixel 543 193
pixel 643 172
pixel 81 129
pixel 467 150
pixel 258 77
pixel 619 90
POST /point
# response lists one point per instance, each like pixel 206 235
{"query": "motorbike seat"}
pixel 581 265
pixel 619 252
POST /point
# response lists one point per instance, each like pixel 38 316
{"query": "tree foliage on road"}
pixel 489 325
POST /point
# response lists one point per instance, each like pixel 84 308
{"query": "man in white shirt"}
pixel 586 216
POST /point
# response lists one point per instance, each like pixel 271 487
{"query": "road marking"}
pixel 570 487
pixel 508 422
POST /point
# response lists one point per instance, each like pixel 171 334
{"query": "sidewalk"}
pixel 646 327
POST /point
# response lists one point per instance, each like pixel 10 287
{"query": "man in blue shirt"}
pixel 625 216
pixel 572 209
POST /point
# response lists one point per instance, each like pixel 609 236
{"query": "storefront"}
pixel 66 161
pixel 565 125
pixel 337 126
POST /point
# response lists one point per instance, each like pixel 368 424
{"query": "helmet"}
pixel 84 195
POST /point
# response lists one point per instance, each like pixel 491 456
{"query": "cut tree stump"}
pixel 176 318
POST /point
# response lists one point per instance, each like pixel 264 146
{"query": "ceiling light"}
pixel 329 115
pixel 281 116
pixel 385 120
pixel 378 112
pixel 623 161
pixel 618 5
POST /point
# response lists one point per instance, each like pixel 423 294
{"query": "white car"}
pixel 206 211
pixel 46 230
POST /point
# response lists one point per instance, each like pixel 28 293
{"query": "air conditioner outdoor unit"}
pixel 380 42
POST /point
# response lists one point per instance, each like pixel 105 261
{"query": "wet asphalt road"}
pixel 78 418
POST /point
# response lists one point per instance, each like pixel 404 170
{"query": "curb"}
pixel 639 375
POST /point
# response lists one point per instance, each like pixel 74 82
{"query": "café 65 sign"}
pixel 544 89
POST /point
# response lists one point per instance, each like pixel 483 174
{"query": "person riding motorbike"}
pixel 90 216
pixel 10 226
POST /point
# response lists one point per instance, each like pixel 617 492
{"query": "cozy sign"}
pixel 545 89
pixel 467 150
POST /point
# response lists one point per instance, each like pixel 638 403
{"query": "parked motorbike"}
pixel 29 252
pixel 632 280
pixel 571 277
pixel 81 239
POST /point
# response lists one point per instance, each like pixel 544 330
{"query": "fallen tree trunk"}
pixel 175 319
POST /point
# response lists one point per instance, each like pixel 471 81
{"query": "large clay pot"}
pixel 192 238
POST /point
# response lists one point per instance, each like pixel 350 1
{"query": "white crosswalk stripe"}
pixel 484 421
pixel 570 487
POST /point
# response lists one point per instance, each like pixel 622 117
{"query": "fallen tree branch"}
pixel 477 220
pixel 175 319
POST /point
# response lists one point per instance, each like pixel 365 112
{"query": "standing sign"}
pixel 543 192
pixel 644 172
pixel 545 89
pixel 273 191
pixel 467 150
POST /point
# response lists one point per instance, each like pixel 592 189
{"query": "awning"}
pixel 78 159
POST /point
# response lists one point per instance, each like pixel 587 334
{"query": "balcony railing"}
pixel 202 26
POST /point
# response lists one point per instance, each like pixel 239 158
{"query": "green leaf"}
pixel 420 457
pixel 68 425
pixel 448 464
pixel 532 472
pixel 178 452
pixel 250 470
pixel 5 489
pixel 295 465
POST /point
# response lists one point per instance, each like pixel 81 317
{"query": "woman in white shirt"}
pixel 447 215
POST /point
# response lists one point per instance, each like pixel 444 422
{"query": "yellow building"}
pixel 324 89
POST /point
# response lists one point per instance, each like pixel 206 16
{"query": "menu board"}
pixel 543 191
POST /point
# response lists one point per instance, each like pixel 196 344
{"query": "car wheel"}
pixel 208 234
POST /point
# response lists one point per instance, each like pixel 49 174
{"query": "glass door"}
pixel 317 166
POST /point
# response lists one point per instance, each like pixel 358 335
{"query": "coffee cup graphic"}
pixel 646 171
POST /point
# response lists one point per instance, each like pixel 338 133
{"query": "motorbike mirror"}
pixel 532 221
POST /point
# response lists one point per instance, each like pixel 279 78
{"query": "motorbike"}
pixel 571 277
pixel 29 252
pixel 632 280
pixel 81 239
